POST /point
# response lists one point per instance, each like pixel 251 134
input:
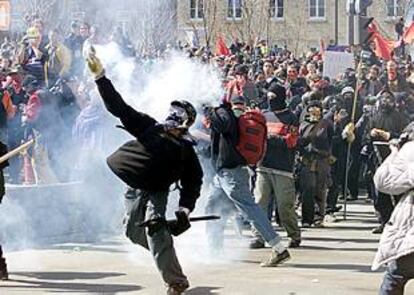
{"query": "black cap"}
pixel 241 70
pixel 279 90
pixel 238 100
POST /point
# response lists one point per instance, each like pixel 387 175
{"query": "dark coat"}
pixel 154 160
pixel 224 139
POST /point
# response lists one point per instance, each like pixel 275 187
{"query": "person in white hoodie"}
pixel 396 249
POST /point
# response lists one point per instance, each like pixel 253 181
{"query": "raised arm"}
pixel 134 122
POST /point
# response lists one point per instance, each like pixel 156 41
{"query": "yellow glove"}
pixel 94 64
pixel 348 133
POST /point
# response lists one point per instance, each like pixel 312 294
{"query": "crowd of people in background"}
pixel 316 125
pixel 326 136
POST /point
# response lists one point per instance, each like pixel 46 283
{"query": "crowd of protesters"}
pixel 326 139
pixel 307 114
pixel 312 120
pixel 316 125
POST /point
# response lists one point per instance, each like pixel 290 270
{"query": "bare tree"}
pixel 43 9
pixel 209 19
pixel 153 24
pixel 398 10
pixel 295 28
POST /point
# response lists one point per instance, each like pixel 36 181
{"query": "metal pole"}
pixel 336 22
pixel 350 29
pixel 350 11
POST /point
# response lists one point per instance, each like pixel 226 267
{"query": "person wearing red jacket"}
pixel 275 172
pixel 42 117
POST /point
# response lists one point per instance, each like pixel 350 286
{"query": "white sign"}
pixel 335 63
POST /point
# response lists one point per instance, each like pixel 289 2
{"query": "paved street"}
pixel 333 260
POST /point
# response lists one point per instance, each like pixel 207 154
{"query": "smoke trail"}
pixel 95 207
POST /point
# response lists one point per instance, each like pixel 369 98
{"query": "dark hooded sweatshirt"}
pixel 154 160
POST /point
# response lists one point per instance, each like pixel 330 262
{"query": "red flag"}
pixel 383 47
pixel 408 36
pixel 221 47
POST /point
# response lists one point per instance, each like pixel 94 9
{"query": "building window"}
pixel 196 9
pixel 395 8
pixel 235 9
pixel 317 8
pixel 276 8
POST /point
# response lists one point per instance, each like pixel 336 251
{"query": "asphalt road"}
pixel 333 260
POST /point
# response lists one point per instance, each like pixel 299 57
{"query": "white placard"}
pixel 335 63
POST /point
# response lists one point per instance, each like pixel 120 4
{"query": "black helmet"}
pixel 189 109
pixel 30 83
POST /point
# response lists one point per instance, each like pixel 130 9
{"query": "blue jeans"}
pixel 398 273
pixel 230 188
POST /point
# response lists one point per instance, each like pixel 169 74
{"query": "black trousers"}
pixel 384 206
pixel 313 191
pixel 2 261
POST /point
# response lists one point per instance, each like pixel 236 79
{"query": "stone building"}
pixel 149 23
pixel 299 24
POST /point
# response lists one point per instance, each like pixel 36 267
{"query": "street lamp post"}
pixel 350 9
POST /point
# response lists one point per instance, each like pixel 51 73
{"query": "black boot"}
pixel 3 270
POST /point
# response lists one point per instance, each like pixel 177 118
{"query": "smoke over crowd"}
pixel 85 207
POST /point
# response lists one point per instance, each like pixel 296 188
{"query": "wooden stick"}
pixel 16 151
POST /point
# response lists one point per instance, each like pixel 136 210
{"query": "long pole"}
pixel 348 151
pixel 16 151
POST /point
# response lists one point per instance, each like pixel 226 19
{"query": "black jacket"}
pixel 283 131
pixel 155 160
pixel 315 141
pixel 224 139
pixel 393 122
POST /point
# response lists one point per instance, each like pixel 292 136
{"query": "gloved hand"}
pixel 94 64
pixel 177 227
pixel 348 133
pixel 384 134
pixel 380 133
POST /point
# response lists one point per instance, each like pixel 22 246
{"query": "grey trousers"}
pixel 151 206
pixel 283 188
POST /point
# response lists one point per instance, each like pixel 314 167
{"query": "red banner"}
pixel 221 47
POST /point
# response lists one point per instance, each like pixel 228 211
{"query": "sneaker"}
pixel 306 225
pixel 276 259
pixel 319 223
pixel 331 218
pixel 177 288
pixel 256 244
pixel 294 244
pixel 378 230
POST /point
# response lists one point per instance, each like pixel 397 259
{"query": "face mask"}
pixel 387 105
pixel 348 96
pixel 176 117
